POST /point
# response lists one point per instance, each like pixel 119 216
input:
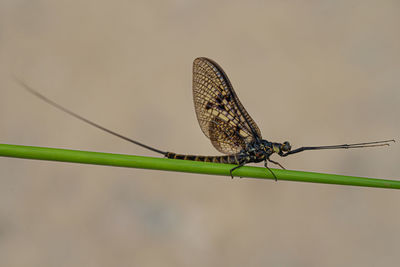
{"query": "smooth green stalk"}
pixel 87 157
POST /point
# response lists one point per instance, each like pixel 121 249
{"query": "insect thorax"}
pixel 257 151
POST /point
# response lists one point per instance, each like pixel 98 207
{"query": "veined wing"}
pixel 221 116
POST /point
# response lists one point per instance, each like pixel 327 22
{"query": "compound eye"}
pixel 286 147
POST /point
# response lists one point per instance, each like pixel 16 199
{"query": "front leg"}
pixel 276 163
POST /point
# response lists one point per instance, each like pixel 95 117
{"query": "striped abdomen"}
pixel 229 159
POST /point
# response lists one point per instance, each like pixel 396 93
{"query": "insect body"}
pixel 224 120
pixel 255 152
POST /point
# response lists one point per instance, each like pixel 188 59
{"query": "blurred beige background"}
pixel 311 72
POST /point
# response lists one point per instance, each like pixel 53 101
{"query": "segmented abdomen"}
pixel 230 159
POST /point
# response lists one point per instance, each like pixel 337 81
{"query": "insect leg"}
pixel 237 167
pixel 266 166
pixel 276 163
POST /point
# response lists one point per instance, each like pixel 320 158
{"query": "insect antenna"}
pixel 59 107
pixel 344 146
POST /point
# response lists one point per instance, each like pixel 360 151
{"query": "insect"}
pixel 225 121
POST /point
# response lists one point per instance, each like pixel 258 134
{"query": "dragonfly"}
pixel 224 120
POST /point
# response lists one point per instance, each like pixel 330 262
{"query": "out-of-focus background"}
pixel 311 72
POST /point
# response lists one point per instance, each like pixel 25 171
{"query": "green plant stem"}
pixel 87 157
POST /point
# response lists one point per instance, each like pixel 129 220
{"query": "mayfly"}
pixel 225 121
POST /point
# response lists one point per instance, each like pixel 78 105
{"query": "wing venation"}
pixel 220 113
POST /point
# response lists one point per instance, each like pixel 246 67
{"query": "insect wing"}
pixel 221 116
